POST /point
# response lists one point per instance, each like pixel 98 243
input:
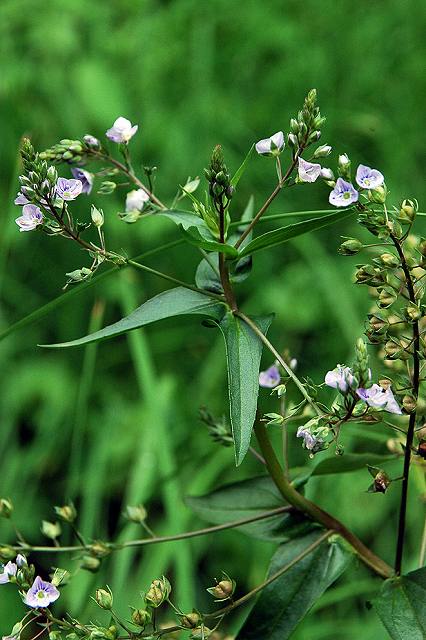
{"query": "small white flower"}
pixel 122 130
pixel 30 219
pixel 136 199
pixel 9 570
pixel 308 171
pixel 368 178
pixel 379 398
pixel 340 378
pixel 271 146
pixel 327 174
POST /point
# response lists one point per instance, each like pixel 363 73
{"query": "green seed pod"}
pixel 409 403
pixel 350 247
pixel 104 598
pixel 158 592
pixel 141 617
pixel 190 620
pixel 389 260
pixel 90 563
pixel 67 513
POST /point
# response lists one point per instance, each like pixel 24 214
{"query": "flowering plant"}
pixel 314 547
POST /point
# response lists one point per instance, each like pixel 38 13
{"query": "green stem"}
pixel 158 540
pixel 225 610
pixel 292 496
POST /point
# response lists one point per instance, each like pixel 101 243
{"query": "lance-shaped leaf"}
pixel 401 606
pixel 248 498
pixel 285 602
pixel 201 237
pixel 278 236
pixel 174 302
pixel 243 353
pixel 185 219
pixel 239 172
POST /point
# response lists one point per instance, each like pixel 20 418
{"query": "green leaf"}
pixel 206 277
pixel 201 237
pixel 348 462
pixel 243 353
pixel 174 302
pixel 249 498
pixel 285 601
pixel 401 606
pixel 185 219
pixel 278 236
pixel 239 172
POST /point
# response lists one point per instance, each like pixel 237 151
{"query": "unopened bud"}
pixel 91 141
pixel 389 260
pixel 141 617
pixel 51 530
pixel 67 513
pixel 409 403
pixel 52 175
pixel 190 620
pixel 97 216
pixel 6 508
pixel 158 592
pixel 224 589
pixel 350 247
pixel 104 598
pixel 408 211
pixel 135 514
pixel 292 140
pixel 378 195
pixel 323 151
pixel 7 553
pixel 386 297
pixel 90 563
pixel 327 174
pixel 344 166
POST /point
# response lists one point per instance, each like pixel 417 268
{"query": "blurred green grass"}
pixel 118 423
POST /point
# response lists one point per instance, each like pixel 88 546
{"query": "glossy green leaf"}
pixel 201 237
pixel 285 602
pixel 185 219
pixel 401 606
pixel 243 353
pixel 249 498
pixel 239 172
pixel 279 236
pixel 174 302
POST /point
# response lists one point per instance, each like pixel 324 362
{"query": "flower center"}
pixel 40 595
pixel 346 195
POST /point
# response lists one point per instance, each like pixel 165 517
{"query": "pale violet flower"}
pixel 85 177
pixel 9 570
pixel 271 146
pixel 343 194
pixel 91 141
pixel 136 199
pixel 30 219
pixel 68 189
pixel 122 130
pixel 379 398
pixel 41 594
pixel 309 441
pixel 20 199
pixel 308 171
pixel 327 174
pixel 21 561
pixel 340 378
pixel 270 378
pixel 368 178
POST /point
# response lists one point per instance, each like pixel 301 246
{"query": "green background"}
pixel 118 424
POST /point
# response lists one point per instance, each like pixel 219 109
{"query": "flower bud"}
pixel 327 174
pixel 51 530
pixel 292 140
pixel 90 563
pixel 100 549
pixel 104 598
pixel 97 216
pixel 412 312
pixel 378 195
pixel 67 513
pixel 158 592
pixel 7 553
pixel 409 403
pixel 408 211
pixel 350 247
pixel 91 141
pixel 190 620
pixel 141 617
pixel 387 297
pixel 52 175
pixel 135 514
pixel 294 126
pixel 224 589
pixel 389 260
pixel 381 480
pixel 323 151
pixel 344 166
pixel 6 508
